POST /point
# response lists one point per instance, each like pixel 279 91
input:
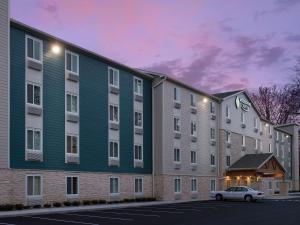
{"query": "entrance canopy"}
pixel 257 165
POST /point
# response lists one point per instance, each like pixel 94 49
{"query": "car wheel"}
pixel 219 197
pixel 248 198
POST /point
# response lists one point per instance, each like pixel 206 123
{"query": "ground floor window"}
pixel 213 185
pixel 72 185
pixel 138 185
pixel 193 184
pixel 34 185
pixel 177 185
pixel 113 185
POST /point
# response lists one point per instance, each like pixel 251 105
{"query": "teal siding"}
pixel 93 88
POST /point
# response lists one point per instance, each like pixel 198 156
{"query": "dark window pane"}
pixel 68 144
pixel 68 61
pixel 75 185
pixel 37 95
pixel 69 185
pixel 29 93
pixel 37 50
pixel 29 139
pixel 30 185
pixel 29 47
pixel 74 63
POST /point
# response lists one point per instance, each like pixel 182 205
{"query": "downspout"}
pixel 153 164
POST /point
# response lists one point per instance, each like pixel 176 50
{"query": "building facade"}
pixel 75 125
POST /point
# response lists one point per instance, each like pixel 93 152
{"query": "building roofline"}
pixel 180 83
pixel 18 24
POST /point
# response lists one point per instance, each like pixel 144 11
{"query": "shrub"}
pixel 57 204
pixel 47 205
pixel 19 206
pixel 95 202
pixel 86 202
pixel 102 201
pixel 75 203
pixel 36 206
pixel 7 207
pixel 27 207
pixel 67 203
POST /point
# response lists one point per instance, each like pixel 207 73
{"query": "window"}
pixel 255 123
pixel 227 111
pixel 72 103
pixel 114 185
pixel 72 144
pixel 114 113
pixel 270 129
pixel 212 160
pixel 34 139
pixel 277 136
pixel 33 94
pixel 228 158
pixel 228 136
pixel 113 149
pixel 176 155
pixel 193 129
pixel 138 152
pixel 138 119
pixel 72 185
pixel 138 185
pixel 243 118
pixel 270 147
pixel 212 134
pixel 193 184
pixel 176 94
pixel 213 185
pixel 34 48
pixel 256 143
pixel 113 77
pixel 193 157
pixel 177 185
pixel 243 140
pixel 34 185
pixel 72 62
pixel 212 108
pixel 138 86
pixel 193 100
pixel 176 124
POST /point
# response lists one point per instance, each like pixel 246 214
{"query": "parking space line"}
pixel 195 207
pixel 196 210
pixel 154 211
pixel 7 224
pixel 100 217
pixel 59 220
pixel 132 214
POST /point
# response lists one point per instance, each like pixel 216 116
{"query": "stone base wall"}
pixel 165 190
pixel 91 186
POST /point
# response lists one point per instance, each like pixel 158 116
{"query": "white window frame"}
pixel 41 49
pixel 26 139
pixel 175 155
pixel 176 191
pixel 66 144
pixel 227 112
pixel 193 101
pixel 213 181
pixel 256 143
pixel 113 121
pixel 228 137
pixel 270 147
pixel 118 144
pixel 212 108
pixel 142 153
pixel 196 185
pixel 26 186
pixel 66 103
pixel 78 186
pixel 77 59
pixel 118 191
pixel 141 89
pixel 41 94
pixel 193 128
pixel 212 134
pixel 270 129
pixel 193 163
pixel 115 72
pixel 134 183
pixel 213 159
pixel 177 124
pixel 142 118
pixel 255 123
pixel 277 136
pixel 243 140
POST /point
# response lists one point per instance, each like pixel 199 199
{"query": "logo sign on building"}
pixel 242 103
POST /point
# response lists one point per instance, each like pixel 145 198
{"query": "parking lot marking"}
pixel 154 211
pixel 132 214
pixel 195 207
pixel 101 217
pixel 7 224
pixel 196 210
pixel 59 220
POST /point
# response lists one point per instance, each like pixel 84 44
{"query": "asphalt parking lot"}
pixel 267 212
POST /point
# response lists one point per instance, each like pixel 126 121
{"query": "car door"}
pixel 238 193
pixel 229 193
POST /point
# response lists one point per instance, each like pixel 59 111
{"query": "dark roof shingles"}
pixel 250 161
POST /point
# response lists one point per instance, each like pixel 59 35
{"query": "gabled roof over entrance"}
pixel 260 164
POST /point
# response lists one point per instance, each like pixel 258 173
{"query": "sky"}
pixel 213 45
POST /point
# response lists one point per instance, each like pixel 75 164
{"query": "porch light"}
pixel 205 100
pixel 267 124
pixel 56 49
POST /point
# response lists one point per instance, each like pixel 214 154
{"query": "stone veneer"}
pixel 92 185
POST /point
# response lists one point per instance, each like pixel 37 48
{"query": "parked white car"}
pixel 238 193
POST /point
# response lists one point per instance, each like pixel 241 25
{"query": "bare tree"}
pixel 280 105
